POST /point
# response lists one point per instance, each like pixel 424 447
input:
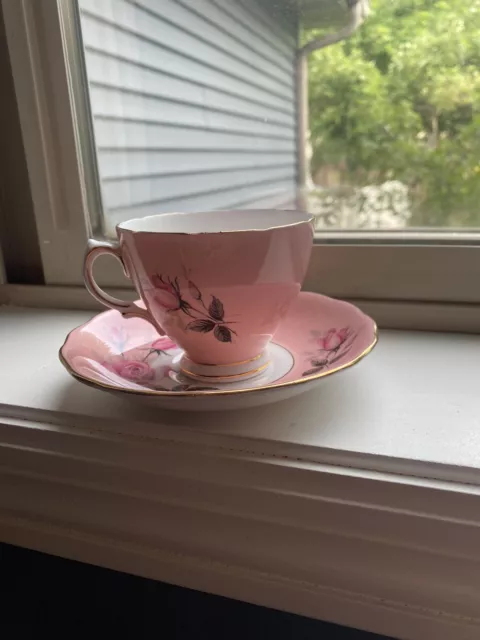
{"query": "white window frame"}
pixel 418 273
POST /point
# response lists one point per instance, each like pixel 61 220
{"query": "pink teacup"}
pixel 217 283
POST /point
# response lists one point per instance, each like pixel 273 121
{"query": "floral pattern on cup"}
pixel 205 319
pixel 331 347
pixel 167 293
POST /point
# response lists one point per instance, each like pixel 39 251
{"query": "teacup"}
pixel 217 283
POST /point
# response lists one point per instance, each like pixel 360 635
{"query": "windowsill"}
pixel 358 503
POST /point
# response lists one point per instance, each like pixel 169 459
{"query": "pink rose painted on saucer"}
pixel 331 347
pixel 137 367
pixel 333 339
pixel 133 370
pixel 148 365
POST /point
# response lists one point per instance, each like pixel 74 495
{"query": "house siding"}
pixel 193 104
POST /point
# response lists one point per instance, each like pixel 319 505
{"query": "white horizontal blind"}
pixel 193 103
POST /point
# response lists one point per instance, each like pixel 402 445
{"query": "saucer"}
pixel 318 337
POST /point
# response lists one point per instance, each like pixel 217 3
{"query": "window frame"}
pixel 418 266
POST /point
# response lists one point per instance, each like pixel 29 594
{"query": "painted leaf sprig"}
pixel 204 319
pixel 201 326
pixel 216 310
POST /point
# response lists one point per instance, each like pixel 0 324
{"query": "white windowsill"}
pixel 358 503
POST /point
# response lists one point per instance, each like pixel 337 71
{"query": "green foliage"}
pixel 401 100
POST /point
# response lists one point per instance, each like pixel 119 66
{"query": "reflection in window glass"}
pixel 196 105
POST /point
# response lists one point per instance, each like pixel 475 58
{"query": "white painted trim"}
pixel 400 272
pixel 42 85
pixel 388 314
pixel 392 554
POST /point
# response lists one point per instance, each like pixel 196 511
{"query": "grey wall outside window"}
pixel 193 103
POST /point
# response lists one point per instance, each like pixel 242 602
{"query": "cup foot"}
pixel 224 373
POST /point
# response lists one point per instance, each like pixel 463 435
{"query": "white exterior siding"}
pixel 193 103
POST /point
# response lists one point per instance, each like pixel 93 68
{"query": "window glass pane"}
pixel 193 103
pixel 395 119
pixel 197 104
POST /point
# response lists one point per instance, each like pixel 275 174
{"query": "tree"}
pixel 401 100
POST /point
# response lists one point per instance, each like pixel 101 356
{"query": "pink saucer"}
pixel 318 337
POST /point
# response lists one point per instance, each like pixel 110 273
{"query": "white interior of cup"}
pixel 216 221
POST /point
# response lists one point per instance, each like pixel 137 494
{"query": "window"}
pixel 133 107
pixel 193 105
pixel 395 117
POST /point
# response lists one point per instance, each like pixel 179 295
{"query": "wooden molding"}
pixel 394 554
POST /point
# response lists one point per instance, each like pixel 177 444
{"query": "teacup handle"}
pixel 96 248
